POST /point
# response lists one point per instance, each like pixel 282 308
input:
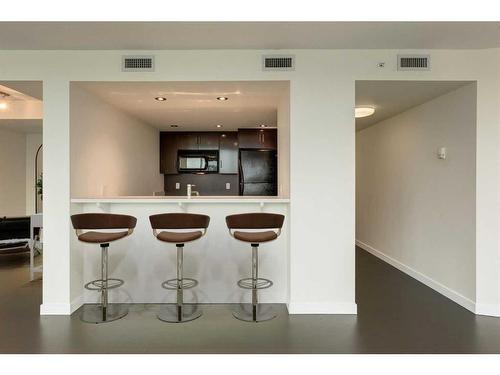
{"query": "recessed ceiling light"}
pixel 222 98
pixel 174 126
pixel 263 125
pixel 219 125
pixel 160 98
pixel 3 95
pixel 363 111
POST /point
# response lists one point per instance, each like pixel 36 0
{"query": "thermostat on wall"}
pixel 441 153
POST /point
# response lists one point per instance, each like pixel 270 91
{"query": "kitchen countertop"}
pixel 182 199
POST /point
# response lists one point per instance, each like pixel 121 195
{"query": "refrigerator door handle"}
pixel 242 178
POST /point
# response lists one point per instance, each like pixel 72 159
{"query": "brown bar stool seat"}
pixel 257 227
pixel 179 237
pixel 103 312
pixel 99 237
pixel 179 312
pixel 257 237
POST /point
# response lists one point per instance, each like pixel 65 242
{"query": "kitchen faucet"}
pixel 191 192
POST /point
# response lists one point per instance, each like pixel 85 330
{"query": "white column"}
pixel 56 196
pixel 322 252
pixel 488 187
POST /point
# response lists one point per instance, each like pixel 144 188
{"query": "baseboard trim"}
pixel 321 308
pixel 61 308
pixel 488 309
pixel 76 304
pixel 424 279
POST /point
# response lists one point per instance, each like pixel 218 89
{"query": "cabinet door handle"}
pixel 263 138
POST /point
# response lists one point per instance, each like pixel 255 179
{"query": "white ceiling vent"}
pixel 278 62
pixel 138 63
pixel 414 62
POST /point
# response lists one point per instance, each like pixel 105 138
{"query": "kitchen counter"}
pixel 217 260
pixel 182 199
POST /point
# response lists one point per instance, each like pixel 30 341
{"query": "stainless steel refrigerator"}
pixel 258 172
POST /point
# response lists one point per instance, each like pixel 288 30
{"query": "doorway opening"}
pixel 21 185
pixel 416 181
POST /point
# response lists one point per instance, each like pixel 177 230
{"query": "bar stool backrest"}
pixel 257 220
pixel 103 221
pixel 179 221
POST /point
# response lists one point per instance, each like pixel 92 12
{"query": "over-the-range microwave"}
pixel 202 161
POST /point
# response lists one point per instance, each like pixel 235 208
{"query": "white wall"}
pixel 414 209
pixel 283 123
pixel 33 142
pixel 12 173
pixel 322 204
pixel 112 153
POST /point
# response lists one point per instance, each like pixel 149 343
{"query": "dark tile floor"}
pixel 396 314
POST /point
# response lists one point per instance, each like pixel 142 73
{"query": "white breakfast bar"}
pixel 217 260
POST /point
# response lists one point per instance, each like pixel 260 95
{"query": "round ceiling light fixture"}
pixel 263 125
pixel 219 125
pixel 363 111
pixel 360 112
pixel 3 104
pixel 160 98
pixel 222 98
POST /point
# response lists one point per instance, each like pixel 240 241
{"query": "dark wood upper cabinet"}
pixel 249 138
pixel 198 141
pixel 187 141
pixel 258 138
pixel 168 152
pixel 228 152
pixel 269 138
pixel 208 141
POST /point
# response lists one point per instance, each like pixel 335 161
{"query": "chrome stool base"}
pixel 262 312
pixel 173 313
pixel 255 311
pixel 94 313
pixel 179 312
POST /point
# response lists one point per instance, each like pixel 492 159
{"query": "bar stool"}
pixel 254 221
pixel 179 313
pixel 103 312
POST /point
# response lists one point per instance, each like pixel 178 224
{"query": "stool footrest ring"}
pixel 99 284
pixel 261 283
pixel 187 283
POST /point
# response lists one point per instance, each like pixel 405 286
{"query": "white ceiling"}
pixel 22 126
pixel 34 89
pixel 247 35
pixel 193 105
pixel 22 115
pixel 392 97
